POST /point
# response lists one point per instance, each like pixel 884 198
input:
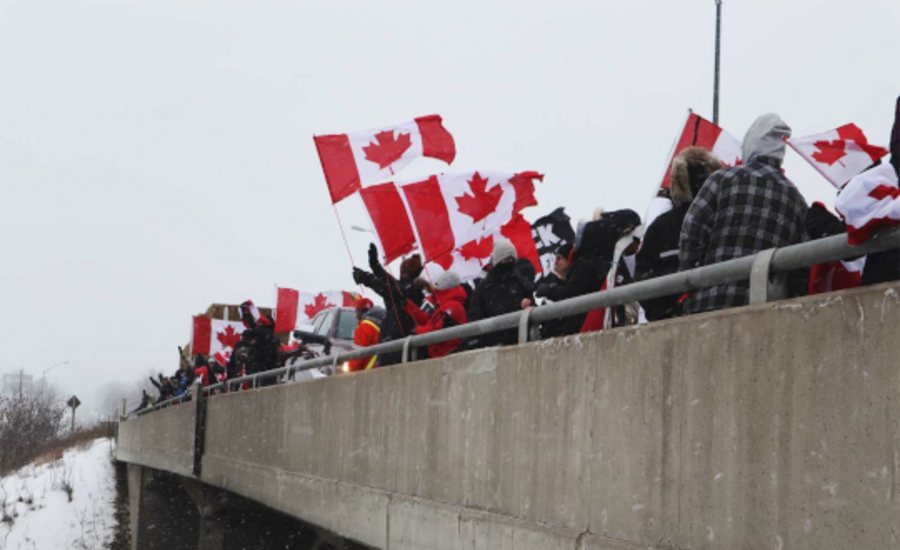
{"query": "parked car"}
pixel 328 333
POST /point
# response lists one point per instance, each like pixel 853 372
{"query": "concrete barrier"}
pixel 768 426
pixel 163 440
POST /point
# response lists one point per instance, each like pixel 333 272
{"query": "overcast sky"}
pixel 157 156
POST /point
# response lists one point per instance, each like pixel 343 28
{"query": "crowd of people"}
pixel 718 213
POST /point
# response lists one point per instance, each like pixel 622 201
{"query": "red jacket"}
pixel 452 302
pixel 367 334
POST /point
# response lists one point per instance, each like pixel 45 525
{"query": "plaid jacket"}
pixel 738 212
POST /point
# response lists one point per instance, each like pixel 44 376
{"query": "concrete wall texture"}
pixel 772 426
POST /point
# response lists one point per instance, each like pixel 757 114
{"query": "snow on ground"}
pixel 46 519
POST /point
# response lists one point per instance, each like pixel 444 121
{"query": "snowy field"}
pixel 38 514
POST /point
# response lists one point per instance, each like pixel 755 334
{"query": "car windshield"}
pixel 346 325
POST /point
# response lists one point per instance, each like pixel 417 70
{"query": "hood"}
pixel 690 168
pixel 765 138
pixel 526 268
pixel 457 293
pixel 599 240
pixel 375 314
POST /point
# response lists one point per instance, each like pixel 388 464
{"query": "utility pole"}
pixel 718 61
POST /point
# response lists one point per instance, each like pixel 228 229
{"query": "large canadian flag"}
pixel 838 154
pixel 871 199
pixel 698 132
pixel 295 308
pixel 211 336
pixel 469 260
pixel 353 161
pixel 446 212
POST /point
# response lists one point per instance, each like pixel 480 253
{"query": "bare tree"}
pixel 28 425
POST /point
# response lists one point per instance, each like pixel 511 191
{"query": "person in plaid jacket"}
pixel 740 211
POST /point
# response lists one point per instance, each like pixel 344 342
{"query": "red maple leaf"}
pixel 479 249
pixel 884 191
pixel 228 338
pixel 386 149
pixel 830 152
pixel 320 302
pixel 481 203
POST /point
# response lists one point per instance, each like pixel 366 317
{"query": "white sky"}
pixel 157 156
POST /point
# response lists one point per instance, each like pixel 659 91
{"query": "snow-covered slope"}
pixel 46 520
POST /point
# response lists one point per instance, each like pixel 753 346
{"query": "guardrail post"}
pixel 766 286
pixel 405 355
pixel 524 321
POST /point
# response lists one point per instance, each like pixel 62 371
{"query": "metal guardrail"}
pixel 766 271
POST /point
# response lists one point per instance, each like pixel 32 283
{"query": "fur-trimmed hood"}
pixel 694 163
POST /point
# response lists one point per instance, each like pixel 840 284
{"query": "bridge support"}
pixel 172 512
pixel 162 515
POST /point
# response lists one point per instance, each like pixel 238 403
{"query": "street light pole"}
pixel 51 367
pixel 718 61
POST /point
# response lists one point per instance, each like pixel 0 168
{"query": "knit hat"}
pixel 503 249
pixel 411 267
pixel 364 304
pixel 565 250
pixel 447 280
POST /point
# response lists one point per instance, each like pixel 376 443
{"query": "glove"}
pixel 373 254
pixel 358 275
pixel 449 321
pixel 822 223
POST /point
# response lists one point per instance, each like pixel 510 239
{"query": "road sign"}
pixel 73 402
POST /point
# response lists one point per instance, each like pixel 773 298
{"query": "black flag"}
pixel 550 233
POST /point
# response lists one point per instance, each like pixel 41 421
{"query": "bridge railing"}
pixel 766 270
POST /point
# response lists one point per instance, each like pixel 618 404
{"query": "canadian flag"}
pixel 698 132
pixel 353 161
pixel 839 275
pixel 447 211
pixel 870 199
pixel 211 336
pixel 838 154
pixel 295 308
pixel 468 260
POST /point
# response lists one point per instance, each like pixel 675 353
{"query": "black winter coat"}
pixel 502 291
pixel 551 287
pixel 659 256
pixel 593 258
pixel 397 322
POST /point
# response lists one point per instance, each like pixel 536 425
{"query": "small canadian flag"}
pixel 211 336
pixel 353 161
pixel 838 154
pixel 447 211
pixel 295 308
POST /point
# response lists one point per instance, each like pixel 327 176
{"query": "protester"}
pixel 593 258
pixel 257 350
pixel 449 310
pixel 552 287
pixel 367 333
pixel 658 254
pixel 397 322
pixel 741 211
pixel 505 289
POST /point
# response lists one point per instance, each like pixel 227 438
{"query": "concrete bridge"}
pixel 770 426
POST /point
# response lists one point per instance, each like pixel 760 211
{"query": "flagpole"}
pixel 718 62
